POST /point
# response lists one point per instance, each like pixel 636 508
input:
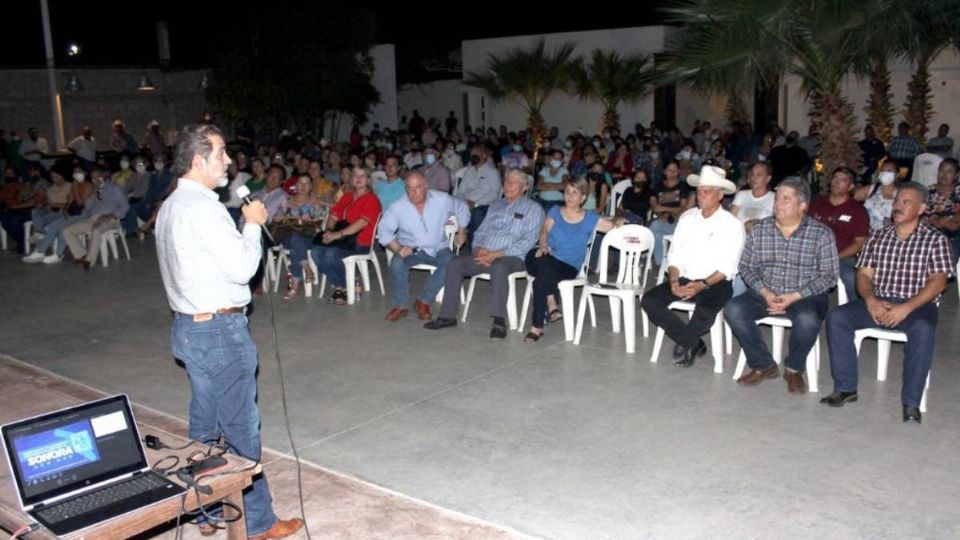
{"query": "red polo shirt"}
pixel 847 221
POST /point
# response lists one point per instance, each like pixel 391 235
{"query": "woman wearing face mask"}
pixel 635 203
pixel 138 182
pixel 620 164
pixel 550 180
pixel 120 177
pixel 878 197
pixel 599 183
pixel 451 159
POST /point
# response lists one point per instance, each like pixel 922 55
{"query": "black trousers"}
pixel 548 271
pixel 675 324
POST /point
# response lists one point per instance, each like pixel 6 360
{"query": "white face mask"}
pixel 158 165
pixel 124 164
pixel 685 154
pixel 78 177
pixel 556 163
pixel 141 168
pixel 761 158
pixel 887 178
pixel 461 147
pixel 714 136
pixel 654 155
pixel 517 148
pixel 568 144
pixel 431 159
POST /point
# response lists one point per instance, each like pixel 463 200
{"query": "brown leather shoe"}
pixel 281 529
pixel 795 382
pixel 756 376
pixel 396 314
pixel 423 310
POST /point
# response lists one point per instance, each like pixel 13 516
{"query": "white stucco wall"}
pixel 565 112
pixel 433 100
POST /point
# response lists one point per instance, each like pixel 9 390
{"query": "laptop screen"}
pixel 66 450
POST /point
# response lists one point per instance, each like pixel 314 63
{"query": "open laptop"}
pixel 83 465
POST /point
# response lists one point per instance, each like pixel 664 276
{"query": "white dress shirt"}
pixel 205 262
pixel 480 184
pixel 702 246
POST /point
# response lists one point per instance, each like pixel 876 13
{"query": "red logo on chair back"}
pixel 631 239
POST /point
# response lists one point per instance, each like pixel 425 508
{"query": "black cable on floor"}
pixel 286 417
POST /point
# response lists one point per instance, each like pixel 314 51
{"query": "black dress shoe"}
pixel 912 413
pixel 678 350
pixel 690 355
pixel 498 331
pixel 439 323
pixel 839 399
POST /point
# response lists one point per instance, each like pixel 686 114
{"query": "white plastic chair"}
pixel 616 194
pixel 457 177
pixel 884 338
pixel 716 330
pixel 27 233
pixel 276 265
pixel 450 231
pixel 567 298
pixel 635 243
pixel 512 278
pixel 109 240
pixel 3 239
pixel 351 263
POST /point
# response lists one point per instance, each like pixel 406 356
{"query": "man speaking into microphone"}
pixel 206 265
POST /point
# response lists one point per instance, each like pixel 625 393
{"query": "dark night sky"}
pixel 114 33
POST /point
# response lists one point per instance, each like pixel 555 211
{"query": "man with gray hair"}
pixel 413 228
pixel 901 274
pixel 509 230
pixel 789 262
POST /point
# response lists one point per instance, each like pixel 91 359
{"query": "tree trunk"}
pixel 834 114
pixel 879 108
pixel 611 118
pixel 736 110
pixel 919 109
pixel 537 128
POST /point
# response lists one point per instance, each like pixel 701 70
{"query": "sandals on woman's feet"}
pixel 291 293
pixel 555 315
pixel 532 337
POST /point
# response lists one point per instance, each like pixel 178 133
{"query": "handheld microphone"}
pixel 244 193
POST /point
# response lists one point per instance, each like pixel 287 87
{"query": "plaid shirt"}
pixel 904 147
pixel 805 263
pixel 901 267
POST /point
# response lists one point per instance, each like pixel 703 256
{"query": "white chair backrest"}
pixel 618 189
pixel 457 177
pixel 376 225
pixel 635 243
pixel 450 229
pixel 585 267
pixel 662 273
pixel 841 293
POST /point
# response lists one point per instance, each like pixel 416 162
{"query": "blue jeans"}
pixel 298 246
pixel 400 276
pixel 329 261
pixel 660 228
pixel 806 314
pixel 920 327
pixel 221 361
pixel 53 231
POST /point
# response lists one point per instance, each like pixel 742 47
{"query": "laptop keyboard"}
pixel 101 498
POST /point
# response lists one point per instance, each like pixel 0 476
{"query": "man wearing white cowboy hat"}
pixel 701 263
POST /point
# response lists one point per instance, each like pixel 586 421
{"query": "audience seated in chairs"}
pixel 564 238
pixel 295 225
pixel 508 232
pixel 901 274
pixel 789 263
pixel 101 212
pixel 351 228
pixel 17 201
pixel 49 219
pixel 700 266
pixel 413 229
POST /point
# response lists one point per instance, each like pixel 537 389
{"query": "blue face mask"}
pixel 556 163
pixel 431 159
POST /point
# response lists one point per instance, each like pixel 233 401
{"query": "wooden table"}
pixel 228 484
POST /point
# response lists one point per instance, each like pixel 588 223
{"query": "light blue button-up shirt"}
pixel 107 200
pixel 511 227
pixel 403 223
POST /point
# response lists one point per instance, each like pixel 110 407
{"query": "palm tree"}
pixel 879 107
pixel 528 77
pixel 924 29
pixel 736 44
pixel 612 79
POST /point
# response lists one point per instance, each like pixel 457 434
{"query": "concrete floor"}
pixel 549 439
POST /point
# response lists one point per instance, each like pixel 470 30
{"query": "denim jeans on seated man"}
pixel 806 314
pixel 400 276
pixel 920 326
pixel 221 360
